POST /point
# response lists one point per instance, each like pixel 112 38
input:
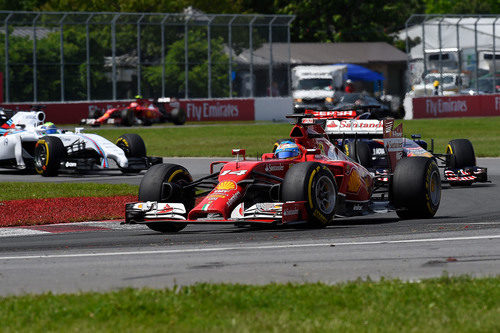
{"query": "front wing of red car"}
pixel 259 213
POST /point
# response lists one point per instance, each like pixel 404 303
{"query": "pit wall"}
pixel 456 106
pixel 265 108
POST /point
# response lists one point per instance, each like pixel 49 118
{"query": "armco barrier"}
pixel 197 110
pixel 456 106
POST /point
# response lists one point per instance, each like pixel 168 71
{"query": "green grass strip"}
pixel 18 190
pixel 438 305
pixel 259 137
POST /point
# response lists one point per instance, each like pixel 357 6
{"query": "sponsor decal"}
pixel 166 209
pixel 205 110
pixel 435 107
pixel 205 207
pixel 231 200
pixel 70 164
pixel 354 182
pixel 268 207
pixel 230 172
pixel 216 196
pixel 291 212
pixel 271 168
pixel 226 185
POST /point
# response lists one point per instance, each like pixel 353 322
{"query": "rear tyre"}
pixel 363 153
pixel 49 152
pixel 416 188
pixel 178 116
pixel 133 146
pixel 314 183
pixel 152 188
pixel 127 116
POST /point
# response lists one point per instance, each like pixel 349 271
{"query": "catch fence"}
pixel 69 56
pixel 460 51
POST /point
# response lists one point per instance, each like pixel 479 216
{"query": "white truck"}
pixel 449 84
pixel 314 87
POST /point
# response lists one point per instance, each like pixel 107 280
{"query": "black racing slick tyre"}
pixel 127 117
pixel 133 146
pixel 49 152
pixel 461 154
pixel 165 183
pixel 416 188
pixel 178 116
pixel 314 183
pixel 360 152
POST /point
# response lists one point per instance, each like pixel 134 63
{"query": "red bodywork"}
pixel 143 109
pixel 354 182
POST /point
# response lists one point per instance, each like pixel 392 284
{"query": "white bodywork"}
pixel 26 128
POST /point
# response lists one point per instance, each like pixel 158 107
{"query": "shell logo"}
pixel 226 185
pixel 354 182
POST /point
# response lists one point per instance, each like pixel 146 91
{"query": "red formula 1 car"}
pixel 358 131
pixel 321 182
pixel 140 112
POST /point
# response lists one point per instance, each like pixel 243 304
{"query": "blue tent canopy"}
pixel 360 73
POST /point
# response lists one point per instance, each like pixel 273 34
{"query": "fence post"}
pixel 87 54
pixel 113 53
pixel 186 60
pixel 35 90
pixel 494 56
pixel 139 69
pixel 423 54
pixel 289 76
pixel 163 56
pixel 250 31
pixel 229 38
pixel 477 55
pixel 209 57
pixel 61 54
pixel 459 55
pixel 7 76
pixel 271 56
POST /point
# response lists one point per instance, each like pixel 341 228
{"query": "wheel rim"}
pixel 41 157
pixel 123 147
pixel 434 188
pixel 325 195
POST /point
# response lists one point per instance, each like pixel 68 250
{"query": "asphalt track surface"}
pixel 463 238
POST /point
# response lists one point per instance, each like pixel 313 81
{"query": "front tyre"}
pixel 460 155
pixel 416 188
pixel 49 152
pixel 153 188
pixel 133 146
pixel 313 183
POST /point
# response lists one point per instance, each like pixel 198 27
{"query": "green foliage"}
pixel 458 304
pixel 198 68
pixel 462 7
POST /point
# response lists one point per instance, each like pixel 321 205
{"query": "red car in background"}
pixel 312 187
pixel 140 112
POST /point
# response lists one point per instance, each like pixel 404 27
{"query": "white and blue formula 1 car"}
pixel 27 143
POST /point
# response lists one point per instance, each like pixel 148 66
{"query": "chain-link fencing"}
pixel 450 54
pixel 69 56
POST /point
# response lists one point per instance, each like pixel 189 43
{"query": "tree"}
pixel 198 68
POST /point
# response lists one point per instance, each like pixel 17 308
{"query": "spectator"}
pixel 436 88
pixel 349 88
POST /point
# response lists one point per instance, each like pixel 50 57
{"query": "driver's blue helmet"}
pixel 287 149
pixel 49 128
